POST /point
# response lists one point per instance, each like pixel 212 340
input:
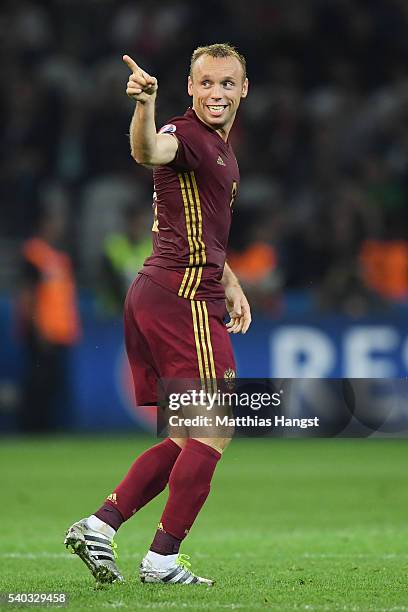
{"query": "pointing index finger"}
pixel 130 63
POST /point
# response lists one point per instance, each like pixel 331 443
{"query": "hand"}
pixel 141 86
pixel 238 310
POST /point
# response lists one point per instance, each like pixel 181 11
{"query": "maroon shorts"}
pixel 170 337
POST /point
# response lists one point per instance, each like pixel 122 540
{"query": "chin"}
pixel 218 121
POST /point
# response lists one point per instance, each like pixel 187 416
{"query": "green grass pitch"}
pixel 289 525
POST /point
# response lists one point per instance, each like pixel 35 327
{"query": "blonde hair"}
pixel 218 50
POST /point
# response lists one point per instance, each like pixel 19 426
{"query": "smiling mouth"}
pixel 216 109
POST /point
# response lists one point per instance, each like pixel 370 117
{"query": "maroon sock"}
pixel 189 485
pixel 147 477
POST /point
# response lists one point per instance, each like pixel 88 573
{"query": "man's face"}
pixel 217 86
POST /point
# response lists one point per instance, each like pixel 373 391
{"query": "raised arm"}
pixel 236 302
pixel 147 147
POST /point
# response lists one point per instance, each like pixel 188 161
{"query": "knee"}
pixel 219 444
pixel 181 442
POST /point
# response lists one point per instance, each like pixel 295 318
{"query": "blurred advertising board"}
pixel 100 387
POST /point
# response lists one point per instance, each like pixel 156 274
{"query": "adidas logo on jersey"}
pixel 112 498
pixel 220 161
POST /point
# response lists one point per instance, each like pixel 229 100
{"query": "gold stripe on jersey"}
pixel 190 242
pixel 195 254
pixel 200 218
pixel 196 247
pixel 193 219
pixel 195 195
pixel 190 282
pixel 199 274
pixel 194 225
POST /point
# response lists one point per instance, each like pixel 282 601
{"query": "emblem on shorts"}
pixel 229 377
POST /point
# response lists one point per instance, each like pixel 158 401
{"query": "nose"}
pixel 216 93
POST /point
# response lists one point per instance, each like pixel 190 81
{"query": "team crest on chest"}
pixel 220 161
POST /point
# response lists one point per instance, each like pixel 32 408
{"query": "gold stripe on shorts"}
pixel 210 349
pixel 197 343
pixel 206 347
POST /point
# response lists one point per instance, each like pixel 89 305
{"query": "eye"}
pixel 205 83
pixel 228 84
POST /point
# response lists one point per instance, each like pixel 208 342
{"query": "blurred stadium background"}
pixel 319 240
pixel 320 232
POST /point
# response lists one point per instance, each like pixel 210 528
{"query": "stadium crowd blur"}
pixel 322 140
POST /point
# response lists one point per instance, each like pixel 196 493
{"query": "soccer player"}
pixel 174 310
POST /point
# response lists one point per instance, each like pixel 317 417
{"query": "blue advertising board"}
pixel 101 392
pixel 317 348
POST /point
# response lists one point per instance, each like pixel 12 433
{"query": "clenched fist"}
pixel 141 86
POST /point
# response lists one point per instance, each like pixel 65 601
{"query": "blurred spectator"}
pixel 385 267
pixel 49 321
pixel 123 256
pixel 257 265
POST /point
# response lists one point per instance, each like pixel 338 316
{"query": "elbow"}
pixel 137 156
pixel 142 158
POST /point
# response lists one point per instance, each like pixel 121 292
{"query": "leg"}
pixel 189 486
pixel 92 538
pixel 149 474
pixel 190 479
pixel 147 477
pixel 190 342
pixel 219 444
pixel 181 442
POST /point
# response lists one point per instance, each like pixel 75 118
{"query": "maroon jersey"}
pixel 193 201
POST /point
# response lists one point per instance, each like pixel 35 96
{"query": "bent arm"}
pixel 236 302
pixel 148 147
pixel 228 277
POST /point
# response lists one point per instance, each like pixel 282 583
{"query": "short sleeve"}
pixel 189 152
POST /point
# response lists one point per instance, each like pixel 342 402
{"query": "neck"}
pixel 223 131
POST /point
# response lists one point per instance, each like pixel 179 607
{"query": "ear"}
pixel 190 86
pixel 245 87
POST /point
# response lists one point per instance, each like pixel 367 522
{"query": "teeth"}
pixel 216 108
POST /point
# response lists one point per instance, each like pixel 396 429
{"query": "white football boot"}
pixel 179 573
pixel 95 549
